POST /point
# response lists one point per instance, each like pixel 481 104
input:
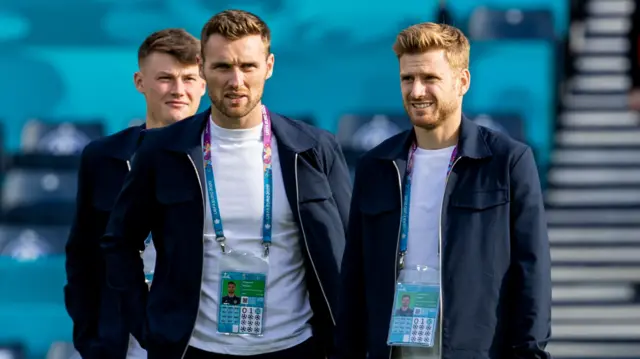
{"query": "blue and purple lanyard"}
pixel 268 184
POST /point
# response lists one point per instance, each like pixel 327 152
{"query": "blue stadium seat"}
pixel 12 351
pixel 32 242
pixel 39 197
pixel 360 133
pixel 63 350
pixel 492 24
pixel 510 124
pixel 514 77
pixel 363 132
pixel 59 138
pixel 32 303
pixel 463 9
pixel 42 161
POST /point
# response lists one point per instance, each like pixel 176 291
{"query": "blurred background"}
pixel 557 74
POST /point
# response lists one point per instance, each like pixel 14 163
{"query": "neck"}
pixel 252 119
pixel 445 135
pixel 152 122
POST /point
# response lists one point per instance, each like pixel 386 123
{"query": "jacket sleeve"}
pixel 128 227
pixel 83 264
pixel 351 316
pixel 340 183
pixel 529 322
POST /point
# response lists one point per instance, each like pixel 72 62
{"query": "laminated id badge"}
pixel 416 305
pixel 243 283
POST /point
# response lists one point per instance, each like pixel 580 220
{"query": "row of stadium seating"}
pixel 329 63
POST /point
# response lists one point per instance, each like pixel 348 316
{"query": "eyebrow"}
pixel 230 64
pixel 165 73
pixel 420 74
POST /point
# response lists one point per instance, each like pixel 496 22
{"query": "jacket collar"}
pixel 471 143
pixel 132 138
pixel 288 133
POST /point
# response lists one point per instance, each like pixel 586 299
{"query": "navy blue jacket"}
pixel 165 194
pixel 91 305
pixel 496 275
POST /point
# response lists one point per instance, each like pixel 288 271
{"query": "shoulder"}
pixel 299 136
pixel 388 148
pixel 107 145
pixel 157 138
pixel 323 138
pixel 503 147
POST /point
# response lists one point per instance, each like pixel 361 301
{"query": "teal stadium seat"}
pixel 32 276
pixel 499 84
pixel 32 304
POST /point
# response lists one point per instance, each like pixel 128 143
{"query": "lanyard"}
pixel 404 224
pixel 268 184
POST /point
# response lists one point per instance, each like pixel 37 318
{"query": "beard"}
pixel 440 111
pixel 229 110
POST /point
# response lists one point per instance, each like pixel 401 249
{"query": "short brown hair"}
pixel 178 43
pixel 236 24
pixel 428 36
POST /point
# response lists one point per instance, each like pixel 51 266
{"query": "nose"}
pixel 418 90
pixel 237 78
pixel 178 89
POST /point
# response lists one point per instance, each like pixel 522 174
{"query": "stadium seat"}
pixel 510 124
pixel 363 132
pixel 63 350
pixel 464 9
pixel 39 197
pixel 489 24
pixel 42 161
pixel 360 133
pixel 501 83
pixel 32 303
pixel 12 350
pixel 32 242
pixel 54 137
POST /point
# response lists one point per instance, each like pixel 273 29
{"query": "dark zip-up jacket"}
pixel 496 267
pixel 164 193
pixel 90 303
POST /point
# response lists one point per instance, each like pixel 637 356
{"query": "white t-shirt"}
pixel 427 192
pixel 239 180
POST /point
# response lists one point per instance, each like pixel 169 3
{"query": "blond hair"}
pixel 234 25
pixel 428 36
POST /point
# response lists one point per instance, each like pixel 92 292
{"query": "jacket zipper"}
pixel 204 214
pixel 441 319
pixel 395 262
pixel 304 237
pixel 130 335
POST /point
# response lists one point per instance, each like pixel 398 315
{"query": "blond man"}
pixel 446 219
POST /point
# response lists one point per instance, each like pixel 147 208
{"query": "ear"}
pixel 270 62
pixel 200 62
pixel 465 81
pixel 138 81
pixel 203 86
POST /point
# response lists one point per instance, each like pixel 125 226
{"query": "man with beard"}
pixel 450 213
pixel 169 79
pixel 237 193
